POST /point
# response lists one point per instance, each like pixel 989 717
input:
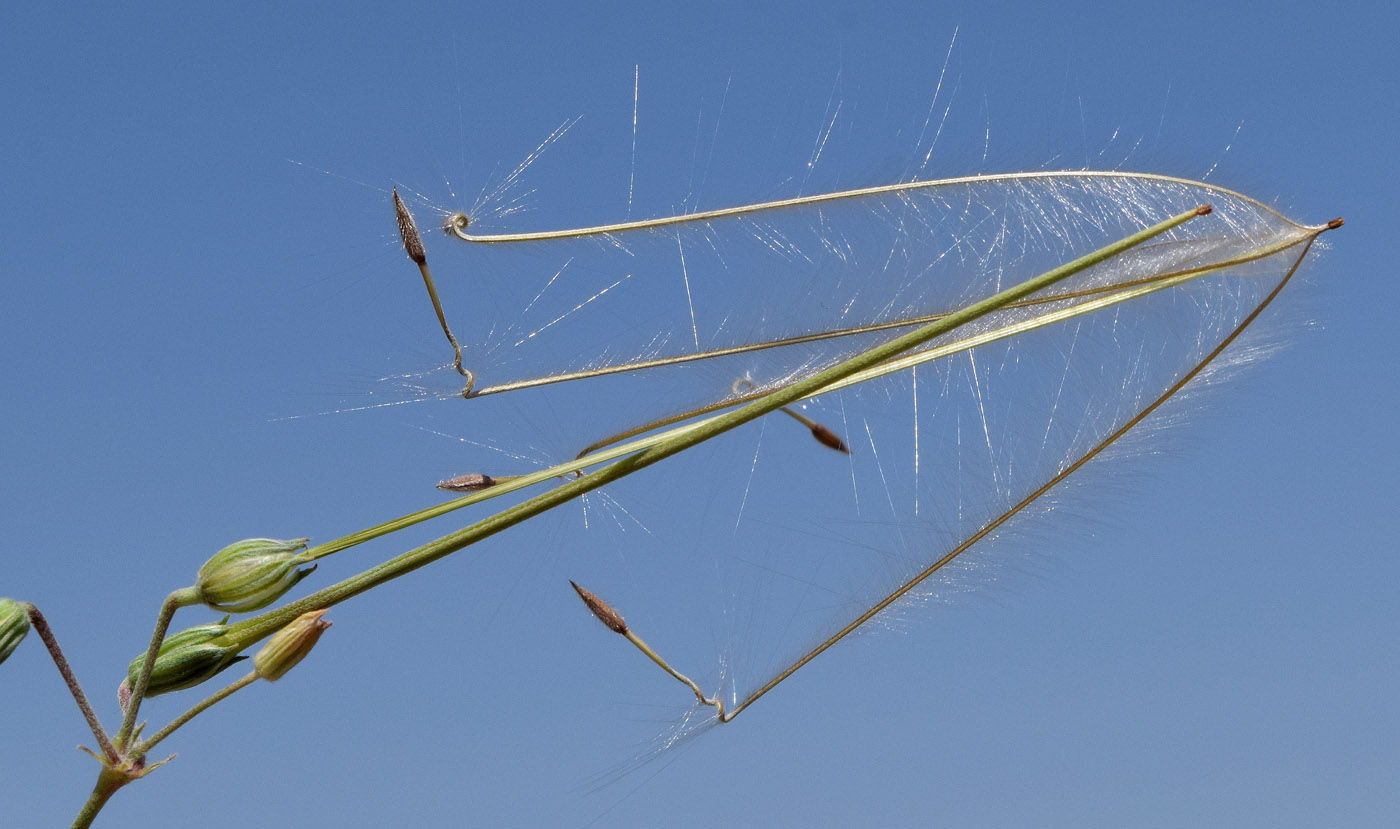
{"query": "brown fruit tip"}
pixel 467 483
pixel 1335 223
pixel 1204 209
pixel 829 438
pixel 601 609
pixel 408 231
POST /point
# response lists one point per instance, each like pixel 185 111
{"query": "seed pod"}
pixel 251 574
pixel 185 660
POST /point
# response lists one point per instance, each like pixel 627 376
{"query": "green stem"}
pixel 252 630
pixel 108 781
pixel 199 708
pixel 183 597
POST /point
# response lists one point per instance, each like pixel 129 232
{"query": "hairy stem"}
pixel 41 625
pixel 108 781
pixel 183 597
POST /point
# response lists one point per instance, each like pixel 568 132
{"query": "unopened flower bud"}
pixel 185 660
pixel 290 645
pixel 251 574
pixel 14 626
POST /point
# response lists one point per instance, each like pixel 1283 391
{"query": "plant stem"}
pixel 40 624
pixel 108 781
pixel 458 223
pixel 183 597
pixel 196 710
pixel 247 632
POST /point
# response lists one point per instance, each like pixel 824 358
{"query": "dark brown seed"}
pixel 829 438
pixel 602 610
pixel 408 231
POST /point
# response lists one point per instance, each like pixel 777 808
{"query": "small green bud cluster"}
pixel 14 626
pixel 251 574
pixel 185 660
pixel 290 645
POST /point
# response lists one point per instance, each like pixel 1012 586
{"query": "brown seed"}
pixel 408 231
pixel 602 610
pixel 829 438
pixel 467 483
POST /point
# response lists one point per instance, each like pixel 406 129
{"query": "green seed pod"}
pixel 14 626
pixel 251 574
pixel 186 659
pixel 290 645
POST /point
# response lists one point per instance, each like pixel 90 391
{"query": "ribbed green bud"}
pixel 290 645
pixel 251 574
pixel 185 660
pixel 14 626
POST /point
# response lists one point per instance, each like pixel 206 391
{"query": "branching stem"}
pixel 183 597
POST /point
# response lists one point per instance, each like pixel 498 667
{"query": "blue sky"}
pixel 200 259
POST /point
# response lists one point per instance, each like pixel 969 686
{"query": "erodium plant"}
pixel 1125 286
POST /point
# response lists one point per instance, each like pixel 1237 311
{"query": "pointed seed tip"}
pixel 408 231
pixel 829 439
pixel 601 609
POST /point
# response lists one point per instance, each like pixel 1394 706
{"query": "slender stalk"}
pixel 183 597
pixel 146 745
pixel 713 702
pixel 783 342
pixel 41 625
pixel 247 632
pixel 413 246
pixel 991 526
pixel 458 223
pixel 1103 297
